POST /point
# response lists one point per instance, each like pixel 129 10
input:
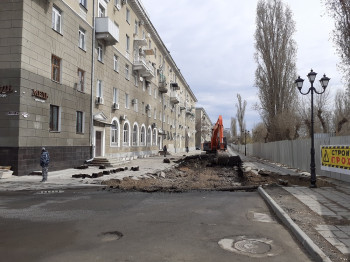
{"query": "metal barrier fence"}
pixel 296 153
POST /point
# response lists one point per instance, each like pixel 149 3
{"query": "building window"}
pixel 99 88
pixel 136 29
pixel 82 38
pixel 143 136
pixel 115 133
pixel 83 3
pixel 143 107
pixel 155 93
pixel 127 72
pixel 126 135
pixel 155 52
pixel 54 118
pixel 56 19
pixel 135 134
pixel 155 113
pixel 100 53
pixel 115 95
pixel 115 63
pixel 128 15
pixel 154 137
pixel 136 105
pixel 127 43
pixel 101 11
pixel 149 89
pixel 80 122
pixel 149 136
pixel 81 83
pixel 136 79
pixel 144 85
pixel 127 100
pixel 56 68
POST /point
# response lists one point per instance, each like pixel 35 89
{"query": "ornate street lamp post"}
pixel 299 83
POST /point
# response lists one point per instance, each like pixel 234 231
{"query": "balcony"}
pixel 145 69
pixel 162 84
pixel 174 86
pixel 107 30
pixel 140 42
pixel 189 111
pixel 174 98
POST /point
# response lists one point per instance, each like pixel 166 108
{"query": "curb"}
pixel 315 252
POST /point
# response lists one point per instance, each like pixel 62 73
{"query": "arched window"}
pixel 154 137
pixel 126 134
pixel 149 136
pixel 115 133
pixel 135 134
pixel 143 136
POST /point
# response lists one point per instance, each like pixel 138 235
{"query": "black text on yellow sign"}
pixel 336 156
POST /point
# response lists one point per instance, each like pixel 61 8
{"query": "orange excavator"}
pixel 218 141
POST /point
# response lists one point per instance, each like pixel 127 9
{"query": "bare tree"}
pixel 240 113
pixel 342 114
pixel 322 117
pixel 339 10
pixel 233 126
pixel 259 133
pixel 275 74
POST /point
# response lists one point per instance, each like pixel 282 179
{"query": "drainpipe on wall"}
pixel 92 79
pixel 175 126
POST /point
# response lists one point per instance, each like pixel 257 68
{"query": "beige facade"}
pixel 88 78
pixel 203 127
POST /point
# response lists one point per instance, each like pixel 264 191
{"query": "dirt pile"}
pixel 205 172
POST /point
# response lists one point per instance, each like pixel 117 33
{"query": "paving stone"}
pixel 346 241
pixel 343 249
pixel 326 227
pixel 335 241
pixel 341 234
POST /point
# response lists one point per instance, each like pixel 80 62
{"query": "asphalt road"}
pixel 90 225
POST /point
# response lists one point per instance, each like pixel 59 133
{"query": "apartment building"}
pixel 87 79
pixel 203 127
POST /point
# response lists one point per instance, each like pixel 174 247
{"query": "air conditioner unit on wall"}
pixel 115 106
pixel 99 100
pixel 124 2
pixel 123 117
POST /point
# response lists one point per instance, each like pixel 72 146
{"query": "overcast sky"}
pixel 212 42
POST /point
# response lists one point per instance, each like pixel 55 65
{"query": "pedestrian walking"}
pixel 165 150
pixel 44 163
pixel 187 149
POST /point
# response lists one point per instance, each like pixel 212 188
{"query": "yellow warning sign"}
pixel 335 157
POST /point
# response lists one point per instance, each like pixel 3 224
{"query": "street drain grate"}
pixel 250 246
pixel 49 192
pixel 111 236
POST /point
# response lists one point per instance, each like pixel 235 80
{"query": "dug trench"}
pixel 208 172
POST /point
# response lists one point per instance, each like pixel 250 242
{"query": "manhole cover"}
pixel 249 246
pixel 111 236
pixel 252 246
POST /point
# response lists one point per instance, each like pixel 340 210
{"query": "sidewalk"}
pixel 323 219
pixel 62 179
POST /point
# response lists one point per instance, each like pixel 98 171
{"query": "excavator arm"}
pixel 217 138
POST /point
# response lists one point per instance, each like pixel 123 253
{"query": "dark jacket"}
pixel 44 159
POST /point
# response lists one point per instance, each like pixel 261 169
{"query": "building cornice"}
pixel 142 13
